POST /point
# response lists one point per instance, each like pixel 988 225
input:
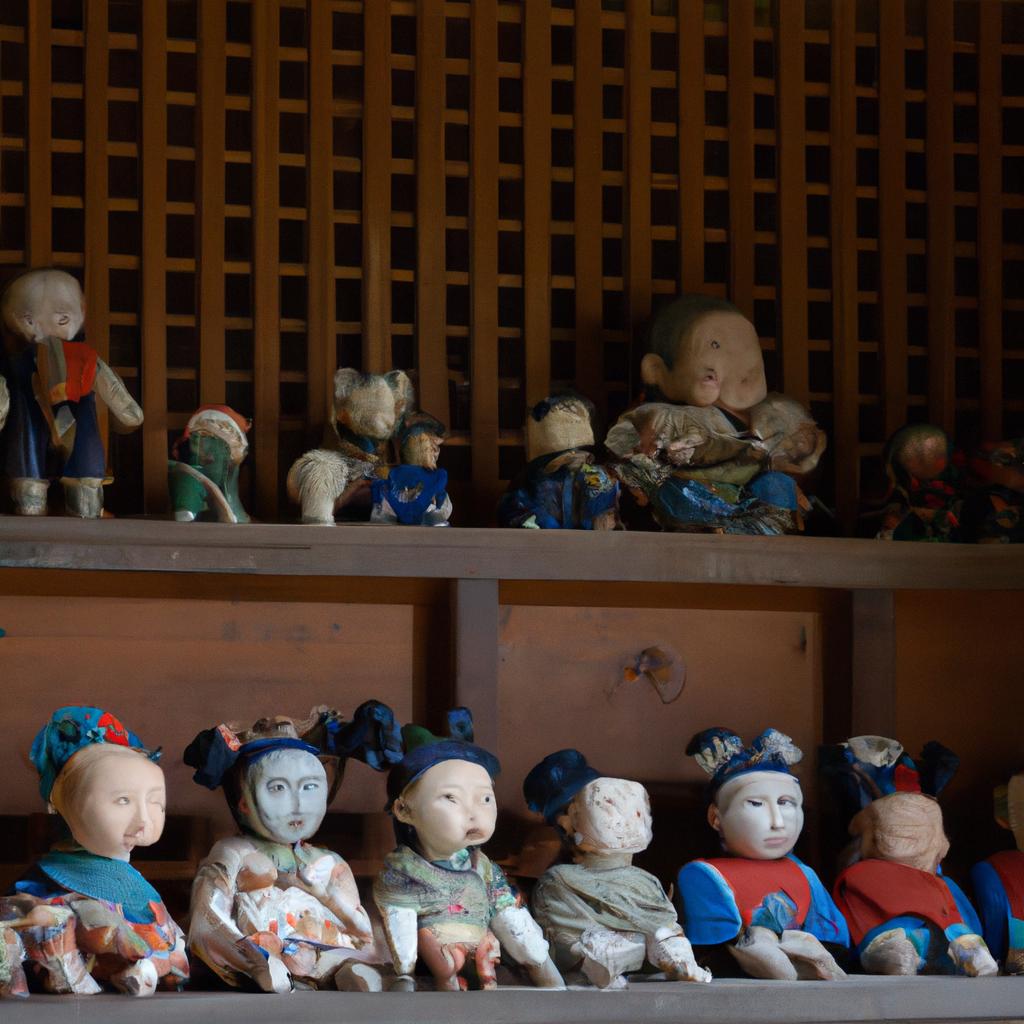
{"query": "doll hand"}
pixel 891 952
pixel 124 409
pixel 672 953
pixel 403 937
pixel 315 876
pixel 971 955
pixel 521 936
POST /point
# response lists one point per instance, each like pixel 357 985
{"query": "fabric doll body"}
pixel 998 883
pixel 411 496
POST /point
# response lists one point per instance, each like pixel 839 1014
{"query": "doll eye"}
pixel 276 787
pixel 488 798
pixel 311 786
pixel 122 801
pixel 450 796
pixel 756 803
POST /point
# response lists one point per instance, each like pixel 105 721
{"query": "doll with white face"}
pixel 999 882
pixel 603 916
pixel 84 915
pixel 440 897
pixel 768 906
pixel 266 904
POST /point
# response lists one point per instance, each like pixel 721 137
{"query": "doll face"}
pixel 285 795
pixel 609 816
pixel 451 806
pixel 46 304
pixel 120 805
pixel 422 449
pixel 759 815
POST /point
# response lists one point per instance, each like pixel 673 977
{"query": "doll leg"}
pixel 673 954
pixel 443 961
pixel 29 496
pixel 813 962
pixel 971 955
pixel 12 952
pixel 138 979
pixel 608 955
pixel 48 934
pixel 83 497
pixel 891 952
pixel 355 976
pixel 757 951
pixel 487 955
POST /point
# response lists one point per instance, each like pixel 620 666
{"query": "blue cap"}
pixel 550 786
pixel 722 755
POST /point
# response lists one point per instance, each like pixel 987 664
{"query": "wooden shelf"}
pixel 147 545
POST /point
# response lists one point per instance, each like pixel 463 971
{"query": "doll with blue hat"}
pixel 603 915
pixel 269 908
pixel 768 907
pixel 414 493
pixel 85 916
pixel 440 896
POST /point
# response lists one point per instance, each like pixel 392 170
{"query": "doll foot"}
pixel 608 954
pixel 757 952
pixel 354 976
pixel 971 955
pixel 83 498
pixel 29 496
pixel 813 962
pixel 138 980
pixel 402 983
pixel 891 953
pixel 1014 961
pixel 546 975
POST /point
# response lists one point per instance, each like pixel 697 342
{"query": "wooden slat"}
pixel 637 200
pixel 475 648
pixel 741 154
pixel 587 149
pixel 690 96
pixel 153 304
pixel 990 227
pixel 792 203
pixel 320 316
pixel 892 203
pixel 210 199
pixel 941 234
pixel 483 211
pixel 431 343
pixel 843 121
pixel 265 285
pixel 37 229
pixel 377 186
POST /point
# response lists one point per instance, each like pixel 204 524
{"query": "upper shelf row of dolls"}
pixel 270 910
pixel 708 449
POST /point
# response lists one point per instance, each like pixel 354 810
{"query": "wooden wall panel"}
pixel 495 195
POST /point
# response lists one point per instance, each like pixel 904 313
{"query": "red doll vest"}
pixel 752 880
pixel 1009 866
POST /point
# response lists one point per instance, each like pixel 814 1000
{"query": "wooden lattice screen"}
pixel 495 195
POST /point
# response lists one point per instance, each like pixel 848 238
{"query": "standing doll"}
pixel 999 883
pixel 440 897
pixel 602 914
pixel 766 904
pixel 414 493
pixel 267 905
pixel 83 913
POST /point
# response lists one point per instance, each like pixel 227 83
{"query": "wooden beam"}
pixel 38 238
pixel 475 649
pixel 741 154
pixel 637 214
pixel 690 97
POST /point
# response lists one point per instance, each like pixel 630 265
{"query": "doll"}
pixel 905 916
pixel 54 378
pixel 414 493
pixel 771 908
pixel 369 409
pixel 266 904
pixel 204 485
pixel 731 449
pixel 999 883
pixel 440 897
pixel 562 486
pixel 83 913
pixel 602 914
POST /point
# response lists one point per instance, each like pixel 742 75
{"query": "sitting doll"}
pixel 440 897
pixel 730 449
pixel 771 908
pixel 562 486
pixel 55 379
pixel 602 914
pixel 999 883
pixel 204 485
pixel 84 915
pixel 414 493
pixel 266 904
pixel 905 916
pixel 994 509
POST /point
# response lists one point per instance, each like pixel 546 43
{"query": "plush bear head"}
pixel 371 405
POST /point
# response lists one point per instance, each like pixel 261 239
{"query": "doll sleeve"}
pixel 500 894
pixel 709 911
pixel 970 916
pixel 823 920
pixel 993 907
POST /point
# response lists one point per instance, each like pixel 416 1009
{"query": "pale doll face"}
pixel 451 806
pixel 287 790
pixel 121 804
pixel 609 816
pixel 759 815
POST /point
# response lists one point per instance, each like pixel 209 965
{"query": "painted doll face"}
pixel 609 815
pixel 119 804
pixel 451 806
pixel 284 795
pixel 759 815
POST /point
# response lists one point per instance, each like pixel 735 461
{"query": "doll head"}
pixel 558 423
pixel 101 780
pixel 441 794
pixel 905 828
pixel 371 405
pixel 44 303
pixel 220 423
pixel 283 795
pixel 1009 807
pixel 755 801
pixel 420 440
pixel 704 351
pixel 598 814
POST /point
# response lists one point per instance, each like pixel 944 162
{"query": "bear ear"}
pixel 345 381
pixel 401 386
